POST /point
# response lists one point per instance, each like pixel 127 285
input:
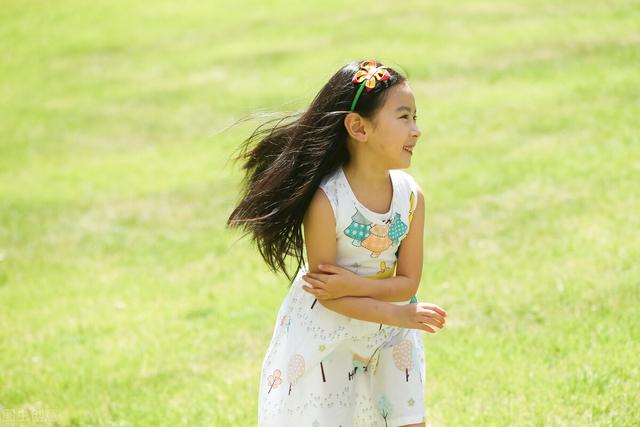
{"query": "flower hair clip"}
pixel 368 76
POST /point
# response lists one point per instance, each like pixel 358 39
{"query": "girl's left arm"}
pixel 336 281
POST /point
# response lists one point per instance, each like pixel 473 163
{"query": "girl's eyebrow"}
pixel 404 107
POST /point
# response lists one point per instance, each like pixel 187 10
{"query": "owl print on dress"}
pixel 375 237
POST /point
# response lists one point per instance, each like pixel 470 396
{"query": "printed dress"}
pixel 323 369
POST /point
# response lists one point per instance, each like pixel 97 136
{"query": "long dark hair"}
pixel 284 169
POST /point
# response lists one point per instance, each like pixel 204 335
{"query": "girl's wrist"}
pixel 393 315
pixel 355 287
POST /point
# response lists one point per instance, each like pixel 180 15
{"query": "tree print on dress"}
pixel 397 229
pixel 403 356
pixel 285 322
pixel 295 369
pixel 274 380
pixel 359 229
pixel 384 409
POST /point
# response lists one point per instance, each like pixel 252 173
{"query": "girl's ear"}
pixel 355 125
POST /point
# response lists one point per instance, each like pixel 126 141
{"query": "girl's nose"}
pixel 416 131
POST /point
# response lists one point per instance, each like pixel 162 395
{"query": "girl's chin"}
pixel 403 165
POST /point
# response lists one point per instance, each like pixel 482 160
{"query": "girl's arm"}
pixel 320 243
pixel 402 286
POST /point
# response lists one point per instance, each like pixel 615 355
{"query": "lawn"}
pixel 124 300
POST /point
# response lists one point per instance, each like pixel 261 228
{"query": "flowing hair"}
pixel 285 167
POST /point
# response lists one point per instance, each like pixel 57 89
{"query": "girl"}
pixel 347 346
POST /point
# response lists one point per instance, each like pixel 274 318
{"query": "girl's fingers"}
pixel 439 310
pixel 317 284
pixel 428 318
pixel 433 314
pixel 426 328
pixel 318 293
pixel 317 276
pixel 435 323
pixel 434 308
pixel 311 290
pixel 333 270
pixel 329 267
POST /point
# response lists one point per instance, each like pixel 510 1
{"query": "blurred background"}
pixel 124 301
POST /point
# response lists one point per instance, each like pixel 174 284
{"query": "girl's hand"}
pixel 422 315
pixel 335 284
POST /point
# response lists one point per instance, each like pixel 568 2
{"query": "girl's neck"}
pixel 358 173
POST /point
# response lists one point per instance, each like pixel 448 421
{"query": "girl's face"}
pixel 395 131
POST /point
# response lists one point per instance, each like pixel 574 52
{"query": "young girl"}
pixel 347 346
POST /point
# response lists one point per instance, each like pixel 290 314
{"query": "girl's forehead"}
pixel 400 96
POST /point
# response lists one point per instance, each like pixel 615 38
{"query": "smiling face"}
pixel 394 131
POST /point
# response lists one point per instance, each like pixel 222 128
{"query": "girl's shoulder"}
pixel 330 185
pixel 406 181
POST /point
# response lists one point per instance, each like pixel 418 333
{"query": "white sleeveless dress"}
pixel 324 369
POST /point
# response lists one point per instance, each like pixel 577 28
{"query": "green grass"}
pixel 125 302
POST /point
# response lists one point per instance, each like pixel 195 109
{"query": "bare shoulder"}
pixel 419 191
pixel 319 211
pixel 412 182
pixel 319 232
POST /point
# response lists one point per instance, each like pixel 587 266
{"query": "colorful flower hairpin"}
pixel 368 76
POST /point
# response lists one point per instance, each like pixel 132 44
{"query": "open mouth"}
pixel 408 149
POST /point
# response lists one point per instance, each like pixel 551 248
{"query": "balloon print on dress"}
pixel 402 356
pixel 273 381
pixel 384 409
pixel 295 369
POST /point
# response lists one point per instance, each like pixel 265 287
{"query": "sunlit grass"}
pixel 123 299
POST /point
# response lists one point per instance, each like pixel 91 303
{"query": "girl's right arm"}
pixel 320 243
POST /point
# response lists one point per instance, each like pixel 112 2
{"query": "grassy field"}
pixel 125 302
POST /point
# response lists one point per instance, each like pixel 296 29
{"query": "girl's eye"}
pixel 407 116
